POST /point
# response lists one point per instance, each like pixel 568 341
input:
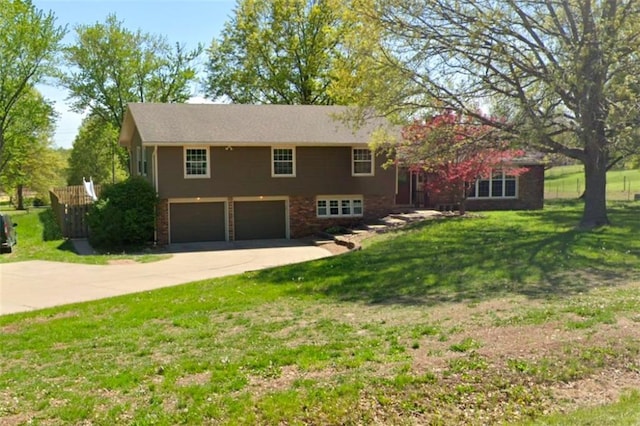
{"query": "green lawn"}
pixel 568 182
pixel 504 317
pixel 39 238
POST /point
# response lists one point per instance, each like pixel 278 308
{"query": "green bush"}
pixel 124 216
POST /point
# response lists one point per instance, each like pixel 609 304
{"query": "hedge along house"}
pixel 238 172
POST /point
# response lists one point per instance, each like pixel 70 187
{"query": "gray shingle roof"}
pixel 228 124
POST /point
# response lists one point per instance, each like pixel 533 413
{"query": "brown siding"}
pixel 247 172
pixel 133 158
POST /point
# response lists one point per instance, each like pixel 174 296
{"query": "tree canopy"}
pixel 110 66
pixel 563 73
pixel 29 40
pixel 279 52
pixel 92 154
pixel 454 151
pixel 31 161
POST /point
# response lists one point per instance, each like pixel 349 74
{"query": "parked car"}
pixel 8 237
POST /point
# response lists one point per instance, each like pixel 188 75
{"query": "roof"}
pixel 230 124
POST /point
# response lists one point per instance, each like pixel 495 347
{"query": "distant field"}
pixel 568 182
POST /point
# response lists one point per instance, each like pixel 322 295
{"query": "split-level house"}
pixel 237 172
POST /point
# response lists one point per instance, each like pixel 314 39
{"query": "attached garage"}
pixel 257 220
pixel 197 222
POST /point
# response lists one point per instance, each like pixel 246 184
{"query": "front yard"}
pixel 511 317
pixel 39 238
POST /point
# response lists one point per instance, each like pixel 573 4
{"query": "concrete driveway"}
pixel 39 284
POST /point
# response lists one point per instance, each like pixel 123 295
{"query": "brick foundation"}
pixel 162 223
pixel 231 220
pixel 303 220
pixel 530 194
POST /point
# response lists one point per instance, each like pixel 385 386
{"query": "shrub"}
pixel 124 216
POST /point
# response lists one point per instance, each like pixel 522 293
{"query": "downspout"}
pixel 154 165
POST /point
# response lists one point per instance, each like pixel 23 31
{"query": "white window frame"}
pixel 371 161
pixel 208 161
pixel 273 161
pixel 354 202
pixel 503 177
pixel 141 154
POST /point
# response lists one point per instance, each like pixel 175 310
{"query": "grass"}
pixel 39 238
pixel 503 317
pixel 568 182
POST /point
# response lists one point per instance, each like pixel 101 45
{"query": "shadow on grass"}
pixel 537 254
pixel 51 230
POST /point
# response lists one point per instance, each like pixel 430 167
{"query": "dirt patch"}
pixel 286 377
pixel 121 262
pixel 194 379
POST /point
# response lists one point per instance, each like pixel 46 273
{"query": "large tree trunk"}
pixel 595 192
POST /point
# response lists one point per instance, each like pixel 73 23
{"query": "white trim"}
pixel 503 179
pixel 261 198
pixel 339 199
pixel 145 167
pixel 199 200
pixel 353 162
pixel 293 154
pixel 154 166
pixel 184 162
pixel 397 175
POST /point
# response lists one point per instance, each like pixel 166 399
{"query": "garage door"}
pixel 257 220
pixel 196 222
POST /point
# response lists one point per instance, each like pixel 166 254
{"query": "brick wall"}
pixel 231 219
pixel 162 223
pixel 530 194
pixel 303 220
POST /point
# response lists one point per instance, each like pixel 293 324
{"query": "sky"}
pixel 184 21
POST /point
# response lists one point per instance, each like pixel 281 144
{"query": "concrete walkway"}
pixel 39 284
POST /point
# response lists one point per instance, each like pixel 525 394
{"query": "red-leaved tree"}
pixel 454 151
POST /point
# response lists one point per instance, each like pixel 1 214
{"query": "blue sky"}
pixel 184 21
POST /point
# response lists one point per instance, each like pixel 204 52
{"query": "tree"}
pixel 110 66
pixel 279 52
pixel 455 151
pixel 124 216
pixel 29 40
pixel 565 73
pixel 31 162
pixel 92 156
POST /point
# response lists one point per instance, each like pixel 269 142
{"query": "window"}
pixel 339 206
pixel 196 162
pixel 283 162
pixel 362 162
pixel 499 185
pixel 142 161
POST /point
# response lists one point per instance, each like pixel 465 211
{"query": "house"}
pixel 497 192
pixel 237 172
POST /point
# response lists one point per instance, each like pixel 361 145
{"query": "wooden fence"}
pixel 70 206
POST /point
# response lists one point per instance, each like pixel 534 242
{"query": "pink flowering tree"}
pixel 454 151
